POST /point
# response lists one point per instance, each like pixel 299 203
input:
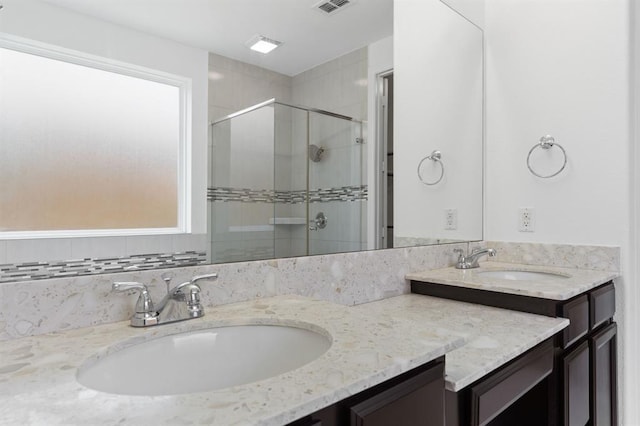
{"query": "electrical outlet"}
pixel 526 219
pixel 451 219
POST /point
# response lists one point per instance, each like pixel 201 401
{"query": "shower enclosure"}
pixel 285 181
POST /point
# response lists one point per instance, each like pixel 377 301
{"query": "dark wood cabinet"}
pixel 575 385
pixel 416 401
pixel 415 398
pixel 577 310
pixel 582 390
pixel 503 396
pixel 603 347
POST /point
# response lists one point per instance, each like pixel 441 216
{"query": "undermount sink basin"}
pixel 515 275
pixel 203 360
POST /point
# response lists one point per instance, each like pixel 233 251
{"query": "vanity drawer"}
pixel 602 302
pixel 495 394
pixel 577 311
pixel 418 401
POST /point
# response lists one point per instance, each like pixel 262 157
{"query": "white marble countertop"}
pixel 38 384
pixel 570 283
pixel 371 343
pixel 493 336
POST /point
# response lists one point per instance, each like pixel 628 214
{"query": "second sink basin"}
pixel 203 360
pixel 517 275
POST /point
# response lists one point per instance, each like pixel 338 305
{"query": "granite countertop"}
pixel 38 383
pixel 570 283
pixel 371 343
pixel 493 336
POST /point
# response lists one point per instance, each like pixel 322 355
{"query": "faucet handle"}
pixel 197 278
pixel 145 313
pixel 144 305
pixel 190 291
pixel 193 283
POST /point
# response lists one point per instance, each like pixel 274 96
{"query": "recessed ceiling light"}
pixel 262 44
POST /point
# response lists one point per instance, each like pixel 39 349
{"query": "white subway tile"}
pixel 98 247
pixel 45 249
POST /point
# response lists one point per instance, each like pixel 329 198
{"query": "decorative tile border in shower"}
pixel 345 193
pixel 72 268
pixel 246 195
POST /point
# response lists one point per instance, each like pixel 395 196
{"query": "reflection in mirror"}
pixel 285 181
pixel 438 107
pixel 471 10
pixel 337 73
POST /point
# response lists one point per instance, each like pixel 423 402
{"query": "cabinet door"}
pixel 576 386
pixel 603 305
pixel 418 401
pixel 603 370
pixel 577 311
pixel 496 393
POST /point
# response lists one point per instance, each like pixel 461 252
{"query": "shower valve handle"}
pixel 320 222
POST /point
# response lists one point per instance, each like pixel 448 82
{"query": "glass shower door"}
pixel 290 177
pixel 337 192
pixel 241 187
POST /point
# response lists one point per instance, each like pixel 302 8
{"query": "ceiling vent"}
pixel 331 7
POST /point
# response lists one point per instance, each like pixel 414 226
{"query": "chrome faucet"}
pixel 471 260
pixel 181 302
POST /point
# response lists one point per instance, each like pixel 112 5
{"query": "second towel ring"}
pixel 435 156
pixel 547 142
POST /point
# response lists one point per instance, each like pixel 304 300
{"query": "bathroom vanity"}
pixel 413 398
pixel 582 388
pixel 386 359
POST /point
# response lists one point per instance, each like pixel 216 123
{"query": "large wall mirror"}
pixel 186 146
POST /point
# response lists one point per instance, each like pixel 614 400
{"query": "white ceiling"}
pixel 309 37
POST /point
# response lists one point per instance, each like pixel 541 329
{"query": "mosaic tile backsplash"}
pixel 71 268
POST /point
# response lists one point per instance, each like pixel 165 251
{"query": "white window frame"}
pixel 184 84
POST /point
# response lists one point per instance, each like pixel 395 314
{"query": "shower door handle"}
pixel 320 222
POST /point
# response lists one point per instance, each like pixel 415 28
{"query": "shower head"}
pixel 315 153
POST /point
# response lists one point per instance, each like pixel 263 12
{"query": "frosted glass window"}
pixel 83 148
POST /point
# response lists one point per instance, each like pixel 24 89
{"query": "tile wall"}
pixel 338 86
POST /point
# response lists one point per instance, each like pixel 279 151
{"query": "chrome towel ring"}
pixel 436 157
pixel 547 142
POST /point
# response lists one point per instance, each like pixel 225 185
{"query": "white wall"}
pixel 438 106
pixel 473 10
pixel 562 68
pixel 48 24
pixel 631 388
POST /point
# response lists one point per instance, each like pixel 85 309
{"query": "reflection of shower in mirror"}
pixel 315 153
pixel 277 172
